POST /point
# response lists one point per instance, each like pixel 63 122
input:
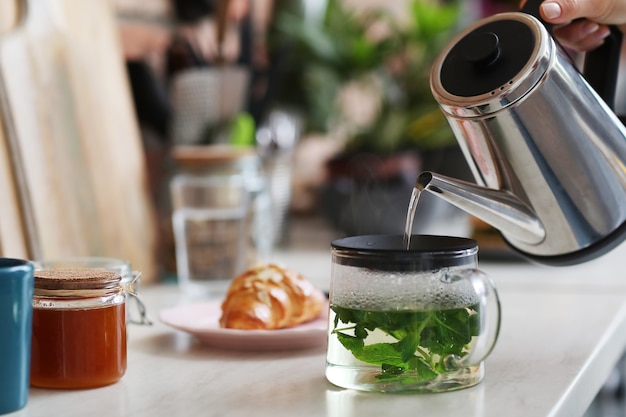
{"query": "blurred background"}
pixel 331 97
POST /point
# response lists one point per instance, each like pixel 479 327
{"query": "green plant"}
pixel 424 343
pixel 365 76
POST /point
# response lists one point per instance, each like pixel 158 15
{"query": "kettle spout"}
pixel 499 208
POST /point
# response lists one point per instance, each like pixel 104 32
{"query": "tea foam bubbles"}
pixel 361 288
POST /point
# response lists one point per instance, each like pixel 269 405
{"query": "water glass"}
pixel 212 222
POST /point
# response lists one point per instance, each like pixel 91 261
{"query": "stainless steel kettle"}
pixel 547 151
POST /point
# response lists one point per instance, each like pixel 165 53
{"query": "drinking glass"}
pixel 212 223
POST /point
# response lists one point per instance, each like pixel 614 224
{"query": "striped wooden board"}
pixel 71 158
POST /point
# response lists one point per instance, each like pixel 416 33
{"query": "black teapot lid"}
pixel 389 252
pixel 488 57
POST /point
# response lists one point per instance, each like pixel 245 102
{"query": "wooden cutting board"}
pixel 71 160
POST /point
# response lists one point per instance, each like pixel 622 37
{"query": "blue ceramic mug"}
pixel 16 314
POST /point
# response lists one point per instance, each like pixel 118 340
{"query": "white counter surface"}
pixel 563 330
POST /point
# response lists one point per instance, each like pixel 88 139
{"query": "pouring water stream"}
pixel 410 217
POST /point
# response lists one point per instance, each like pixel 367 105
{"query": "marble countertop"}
pixel 563 331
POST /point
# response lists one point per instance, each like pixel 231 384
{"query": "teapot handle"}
pixel 601 65
pixel 488 320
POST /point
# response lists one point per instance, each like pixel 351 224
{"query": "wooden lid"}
pixel 192 155
pixel 76 279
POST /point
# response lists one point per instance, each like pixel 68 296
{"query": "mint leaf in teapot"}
pixel 405 344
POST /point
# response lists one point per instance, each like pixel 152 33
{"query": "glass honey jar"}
pixel 79 328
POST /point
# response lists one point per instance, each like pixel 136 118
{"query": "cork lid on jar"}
pixel 75 279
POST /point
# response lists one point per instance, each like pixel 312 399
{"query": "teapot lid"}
pixel 495 61
pixel 389 252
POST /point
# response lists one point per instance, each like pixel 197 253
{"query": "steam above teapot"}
pixel 546 149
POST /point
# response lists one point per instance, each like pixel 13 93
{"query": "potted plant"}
pixel 362 77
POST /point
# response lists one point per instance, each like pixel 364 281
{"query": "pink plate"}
pixel 202 321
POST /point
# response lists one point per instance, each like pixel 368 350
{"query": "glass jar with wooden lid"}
pixel 79 328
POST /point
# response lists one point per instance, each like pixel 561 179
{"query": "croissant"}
pixel 269 296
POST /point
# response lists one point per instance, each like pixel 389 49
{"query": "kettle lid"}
pixel 503 55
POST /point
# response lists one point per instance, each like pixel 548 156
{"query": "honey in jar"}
pixel 79 329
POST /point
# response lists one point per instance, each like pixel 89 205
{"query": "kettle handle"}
pixel 601 65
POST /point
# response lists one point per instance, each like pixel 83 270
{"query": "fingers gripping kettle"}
pixel 546 150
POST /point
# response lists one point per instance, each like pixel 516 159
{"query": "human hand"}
pixel 581 25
